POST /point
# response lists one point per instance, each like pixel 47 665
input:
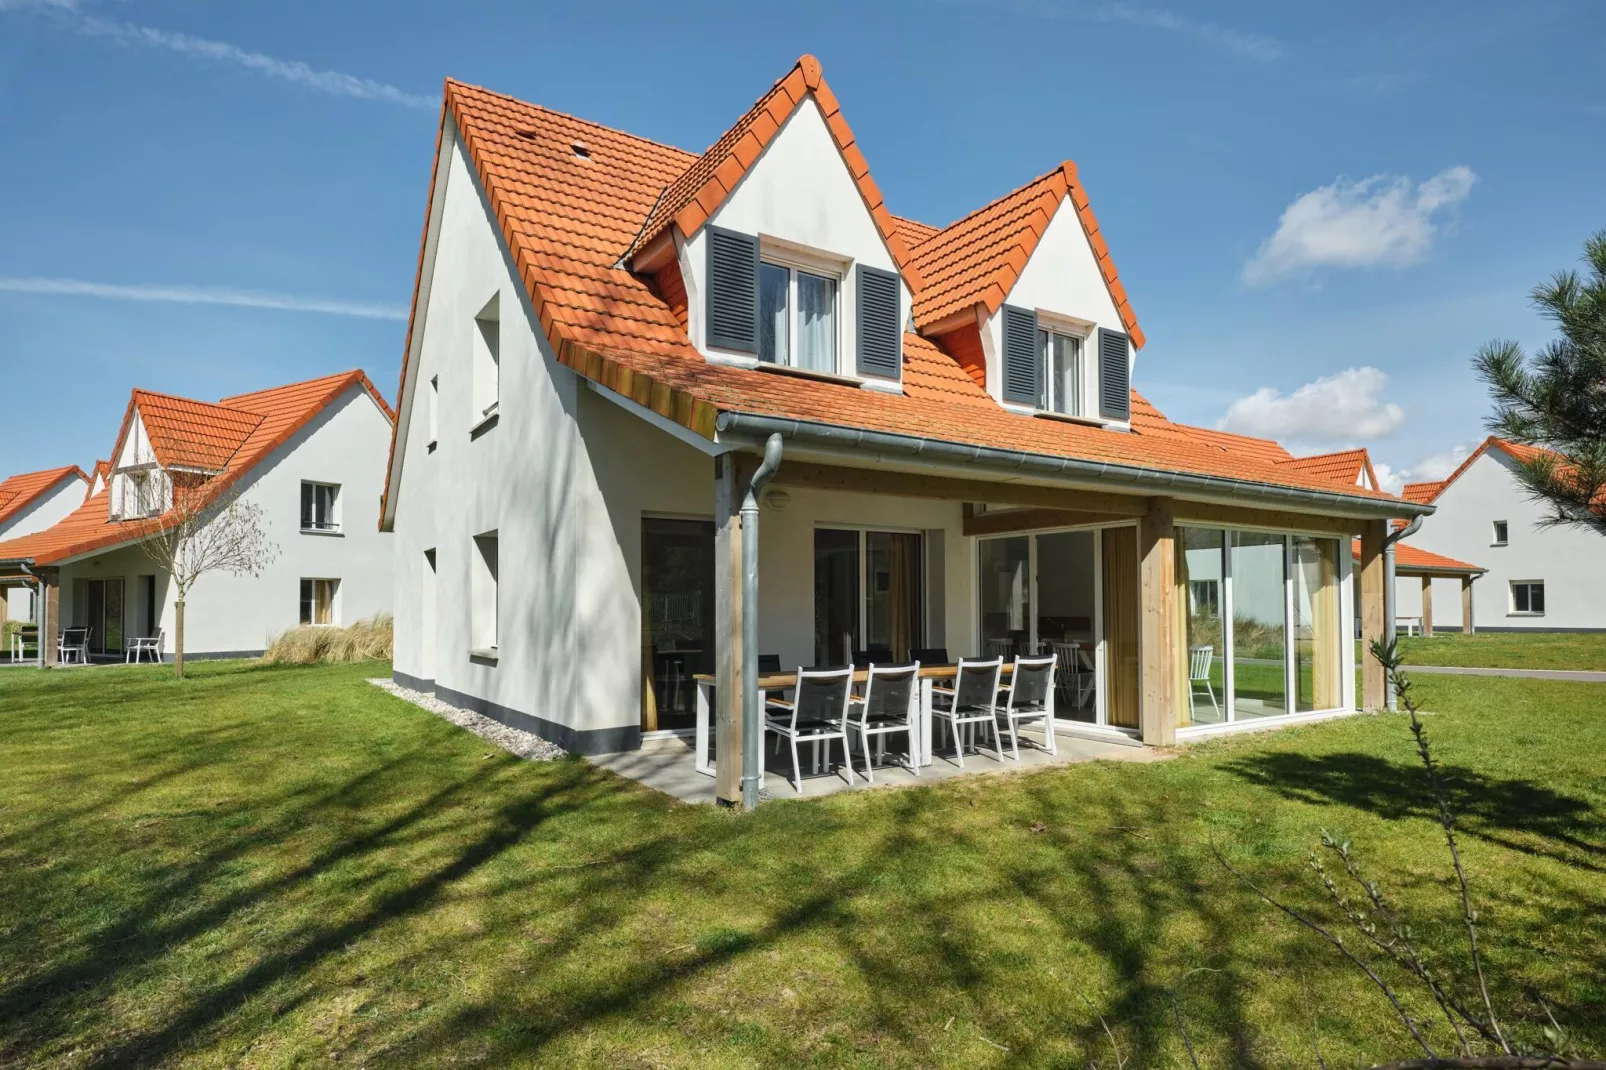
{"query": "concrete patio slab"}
pixel 666 765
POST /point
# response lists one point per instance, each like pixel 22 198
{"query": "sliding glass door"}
pixel 1042 594
pixel 868 595
pixel 1263 624
pixel 677 625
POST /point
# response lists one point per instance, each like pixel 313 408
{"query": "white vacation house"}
pixel 31 502
pixel 1538 579
pixel 311 455
pixel 607 334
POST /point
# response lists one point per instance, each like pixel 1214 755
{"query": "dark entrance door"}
pixel 677 618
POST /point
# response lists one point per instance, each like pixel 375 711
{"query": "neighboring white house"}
pixel 605 333
pixel 1537 579
pixel 31 502
pixel 311 454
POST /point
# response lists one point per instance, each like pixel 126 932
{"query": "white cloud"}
pixel 1387 477
pixel 1379 221
pixel 202 295
pixel 1336 409
pixel 1435 466
pixel 289 70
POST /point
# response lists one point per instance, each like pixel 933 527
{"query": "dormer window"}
pixel 1063 375
pixel 797 317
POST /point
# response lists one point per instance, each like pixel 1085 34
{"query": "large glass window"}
pixel 1318 671
pixel 797 320
pixel 836 596
pixel 892 602
pixel 1202 564
pixel 1062 372
pixel 1006 596
pixel 1066 604
pixel 677 580
pixel 1259 625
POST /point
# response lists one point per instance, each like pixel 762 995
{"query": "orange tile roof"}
pixel 1423 493
pixel 1345 466
pixel 20 491
pixel 977 260
pixel 697 192
pixel 1410 559
pixel 564 221
pixel 190 434
pixel 274 415
pixel 913 232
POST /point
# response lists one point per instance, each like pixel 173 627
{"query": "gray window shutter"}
pixel 732 290
pixel 1022 373
pixel 1115 376
pixel 880 341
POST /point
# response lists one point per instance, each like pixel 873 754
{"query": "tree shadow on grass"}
pixel 1520 815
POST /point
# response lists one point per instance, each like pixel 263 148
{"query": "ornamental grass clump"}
pixel 366 640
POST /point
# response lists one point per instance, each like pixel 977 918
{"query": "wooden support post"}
pixel 1466 604
pixel 1427 607
pixel 1160 646
pixel 1373 679
pixel 731 473
pixel 49 617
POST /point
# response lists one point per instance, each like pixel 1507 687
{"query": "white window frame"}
pixel 795 260
pixel 1500 533
pixel 334 601
pixel 1048 325
pixel 864 531
pixel 332 526
pixel 1511 598
pixel 1101 720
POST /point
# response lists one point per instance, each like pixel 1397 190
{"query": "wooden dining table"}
pixel 786 681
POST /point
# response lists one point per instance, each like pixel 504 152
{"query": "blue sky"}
pixel 1320 211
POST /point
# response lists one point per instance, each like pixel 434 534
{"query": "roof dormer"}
pixel 1024 294
pixel 778 238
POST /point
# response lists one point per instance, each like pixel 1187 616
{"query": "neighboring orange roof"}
pixel 20 491
pixel 1410 559
pixel 977 260
pixel 564 220
pixel 190 434
pixel 696 194
pixel 1423 493
pixel 913 232
pixel 1515 450
pixel 274 416
pixel 1345 466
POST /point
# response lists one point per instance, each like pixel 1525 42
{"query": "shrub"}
pixel 366 640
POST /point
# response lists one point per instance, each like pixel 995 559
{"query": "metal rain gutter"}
pixel 1136 478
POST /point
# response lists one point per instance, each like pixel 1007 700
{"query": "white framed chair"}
pixel 1200 659
pixel 817 713
pixel 139 646
pixel 1029 688
pixel 73 643
pixel 887 706
pixel 972 700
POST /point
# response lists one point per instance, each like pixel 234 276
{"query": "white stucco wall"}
pixel 346 444
pixel 1063 284
pixel 799 193
pixel 1570 561
pixel 565 477
pixel 43 512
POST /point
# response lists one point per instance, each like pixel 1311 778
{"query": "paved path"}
pixel 1531 674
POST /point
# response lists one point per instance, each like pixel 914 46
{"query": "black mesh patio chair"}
pixel 887 706
pixel 817 713
pixel 972 700
pixel 1028 690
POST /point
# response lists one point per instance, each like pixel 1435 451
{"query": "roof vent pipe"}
pixel 752 716
pixel 1390 630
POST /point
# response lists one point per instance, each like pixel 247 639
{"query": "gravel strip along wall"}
pixel 524 744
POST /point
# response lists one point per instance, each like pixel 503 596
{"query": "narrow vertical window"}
pixel 1062 372
pixel 487 362
pixel 797 318
pixel 434 403
pixel 483 594
pixel 318 507
pixel 774 322
pixel 318 601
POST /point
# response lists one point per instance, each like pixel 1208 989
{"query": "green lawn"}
pixel 1509 650
pixel 276 867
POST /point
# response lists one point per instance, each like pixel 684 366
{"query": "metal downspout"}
pixel 1390 629
pixel 39 611
pixel 752 716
